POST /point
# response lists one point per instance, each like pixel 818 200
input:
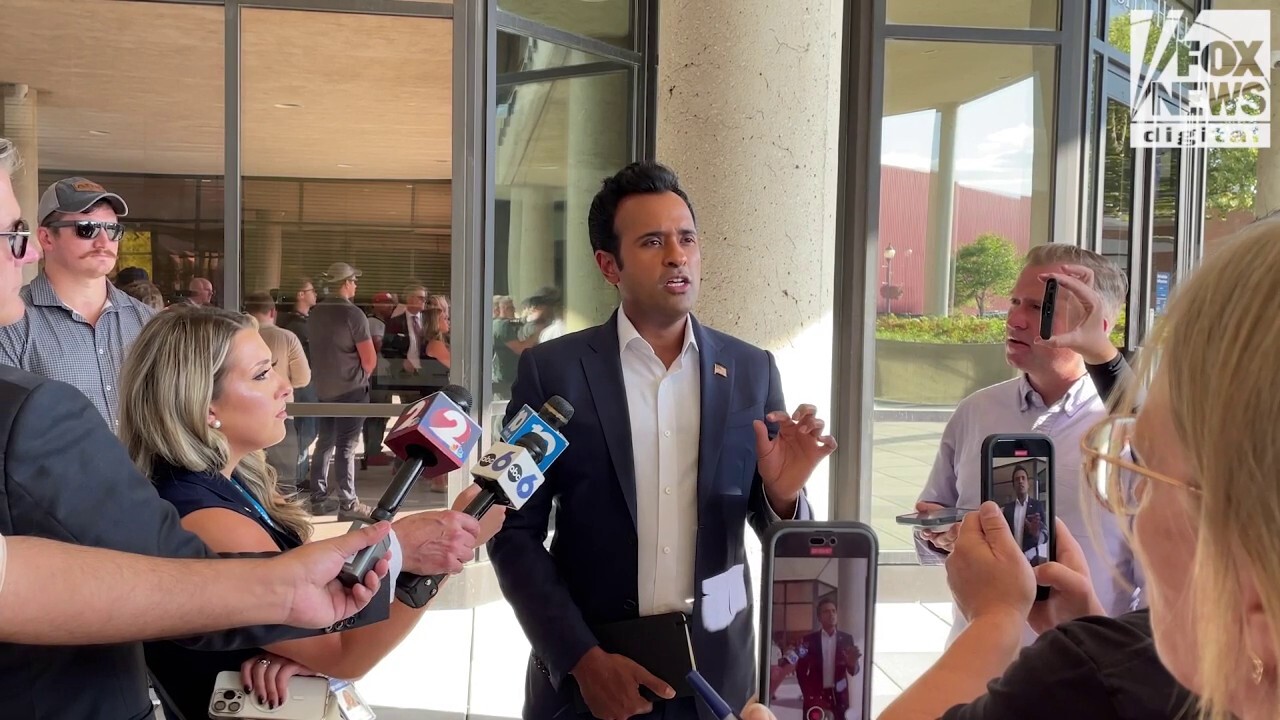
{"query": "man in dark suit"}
pixel 669 456
pixel 1026 517
pixel 828 649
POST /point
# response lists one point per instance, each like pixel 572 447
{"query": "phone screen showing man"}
pixel 817 657
pixel 1020 486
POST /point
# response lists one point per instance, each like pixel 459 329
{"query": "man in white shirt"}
pixel 669 457
pixel 1052 395
pixel 828 658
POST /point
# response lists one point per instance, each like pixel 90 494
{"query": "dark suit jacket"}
pixel 395 341
pixel 589 576
pixel 809 668
pixel 1034 506
pixel 66 477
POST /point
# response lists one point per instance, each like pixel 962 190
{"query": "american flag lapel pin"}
pixel 720 370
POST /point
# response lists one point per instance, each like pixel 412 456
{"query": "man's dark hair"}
pixel 638 178
pixel 1024 470
pixel 256 303
pixel 828 601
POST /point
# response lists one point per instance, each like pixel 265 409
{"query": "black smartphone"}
pixel 939 519
pixel 818 585
pixel 1017 475
pixel 1046 308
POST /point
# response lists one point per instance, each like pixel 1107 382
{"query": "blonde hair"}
pixel 10 158
pixel 1108 279
pixel 1217 347
pixel 172 373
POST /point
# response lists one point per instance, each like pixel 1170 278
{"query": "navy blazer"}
pixel 589 576
pixel 66 477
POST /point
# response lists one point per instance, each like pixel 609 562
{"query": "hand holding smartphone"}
pixel 1047 307
pixel 1017 475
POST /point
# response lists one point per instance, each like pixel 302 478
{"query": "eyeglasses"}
pixel 1113 470
pixel 89 229
pixel 19 236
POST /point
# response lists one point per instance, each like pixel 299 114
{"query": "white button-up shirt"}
pixel 665 411
pixel 828 659
pixel 1014 406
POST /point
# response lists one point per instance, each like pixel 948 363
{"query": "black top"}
pixel 183 677
pixel 1097 667
pixel 1111 376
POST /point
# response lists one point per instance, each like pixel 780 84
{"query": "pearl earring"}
pixel 1258 668
pixel 216 424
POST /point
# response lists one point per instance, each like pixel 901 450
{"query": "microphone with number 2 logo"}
pixel 434 434
pixel 508 473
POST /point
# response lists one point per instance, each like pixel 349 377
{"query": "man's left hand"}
pixel 786 460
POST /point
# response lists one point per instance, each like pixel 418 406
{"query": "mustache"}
pixel 97 253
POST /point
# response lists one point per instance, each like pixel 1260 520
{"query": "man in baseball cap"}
pixel 77 195
pixel 78 326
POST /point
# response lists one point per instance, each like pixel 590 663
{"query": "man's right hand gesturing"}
pixel 611 683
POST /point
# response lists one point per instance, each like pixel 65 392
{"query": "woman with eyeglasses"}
pixel 1196 472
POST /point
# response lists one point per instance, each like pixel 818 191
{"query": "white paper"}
pixel 724 597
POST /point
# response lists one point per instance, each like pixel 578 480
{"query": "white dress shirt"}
pixel 1019 518
pixel 1014 406
pixel 665 411
pixel 413 328
pixel 828 659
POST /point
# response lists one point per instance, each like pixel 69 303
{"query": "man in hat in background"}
pixel 342 363
pixel 78 326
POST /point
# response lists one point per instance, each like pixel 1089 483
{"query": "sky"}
pixel 993 140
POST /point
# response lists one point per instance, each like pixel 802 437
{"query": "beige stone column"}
pixel 938 239
pixel 598 107
pixel 263 250
pixel 18 124
pixel 748 111
pixel 531 253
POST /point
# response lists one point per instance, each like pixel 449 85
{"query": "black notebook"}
pixel 658 643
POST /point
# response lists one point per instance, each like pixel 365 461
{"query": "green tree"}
pixel 985 268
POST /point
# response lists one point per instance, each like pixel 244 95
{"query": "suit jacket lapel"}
pixel 603 369
pixel 717 388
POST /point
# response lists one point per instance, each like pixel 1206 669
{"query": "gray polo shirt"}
pixel 335 326
pixel 54 341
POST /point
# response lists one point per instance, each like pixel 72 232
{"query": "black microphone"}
pixel 507 473
pixel 434 433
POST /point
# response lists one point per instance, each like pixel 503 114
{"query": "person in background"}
pixel 146 292
pixel 128 275
pixel 200 291
pixel 375 428
pixel 403 343
pixel 1054 395
pixel 342 362
pixel 302 299
pixel 504 307
pixel 291 363
pixel 544 316
pixel 78 326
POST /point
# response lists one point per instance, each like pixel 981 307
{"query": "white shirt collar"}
pixel 1079 395
pixel 628 334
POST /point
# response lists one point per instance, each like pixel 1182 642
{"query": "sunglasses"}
pixel 19 236
pixel 89 229
pixel 1114 471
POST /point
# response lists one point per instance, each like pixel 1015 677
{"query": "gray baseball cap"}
pixel 75 195
pixel 341 271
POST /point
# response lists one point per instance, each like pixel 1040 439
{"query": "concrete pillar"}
pixel 598 108
pixel 531 254
pixel 748 114
pixel 263 252
pixel 18 124
pixel 942 187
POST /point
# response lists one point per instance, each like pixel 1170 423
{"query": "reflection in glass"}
pixel 1117 187
pixel 965 190
pixel 1164 231
pixel 556 140
pixel 1117 20
pixel 153 131
pixel 1231 191
pixel 1020 14
pixel 607 20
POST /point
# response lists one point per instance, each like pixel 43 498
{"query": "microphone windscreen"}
pixel 557 411
pixel 461 396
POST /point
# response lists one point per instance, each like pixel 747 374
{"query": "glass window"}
pixel 966 152
pixel 153 132
pixel 557 138
pixel 607 20
pixel 348 161
pixel 1021 14
pixel 1116 20
pixel 1116 237
pixel 1232 192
